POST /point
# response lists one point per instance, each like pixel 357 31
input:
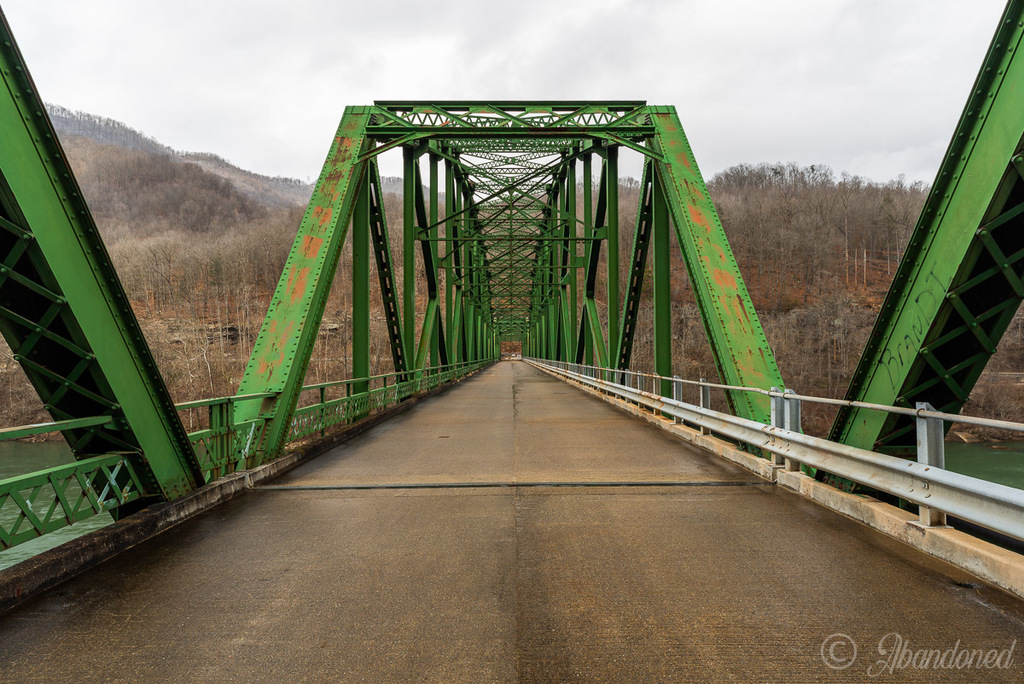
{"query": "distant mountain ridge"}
pixel 272 191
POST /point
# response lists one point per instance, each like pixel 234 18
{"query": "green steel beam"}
pixel 585 339
pixel 62 308
pixel 385 273
pixel 432 248
pixel 361 222
pixel 959 282
pixel 734 331
pixel 637 270
pixel 449 243
pixel 433 330
pixel 612 226
pixel 285 341
pixel 661 280
pixel 410 167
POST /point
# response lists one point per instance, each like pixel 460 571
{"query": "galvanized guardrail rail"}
pixel 924 482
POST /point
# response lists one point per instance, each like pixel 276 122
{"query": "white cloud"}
pixel 867 86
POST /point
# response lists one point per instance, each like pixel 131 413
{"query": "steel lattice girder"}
pixel 960 280
pixel 62 308
pixel 518 252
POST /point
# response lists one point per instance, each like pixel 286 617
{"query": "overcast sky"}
pixel 872 87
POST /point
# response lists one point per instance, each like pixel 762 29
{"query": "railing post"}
pixel 705 403
pixel 677 394
pixel 931 451
pixel 323 411
pixel 793 423
pixel 778 419
pixel 220 444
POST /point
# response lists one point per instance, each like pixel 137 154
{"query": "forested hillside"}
pixel 271 191
pixel 199 245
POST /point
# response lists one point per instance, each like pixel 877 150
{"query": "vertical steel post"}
pixel 435 333
pixel 588 234
pixel 612 223
pixel 361 287
pixel 661 286
pixel 458 331
pixel 778 420
pixel 409 249
pixel 705 402
pixel 565 231
pixel 479 338
pixel 793 422
pixel 553 313
pixel 221 419
pixel 323 411
pixel 573 232
pixel 931 451
pixel 469 275
pixel 449 247
pixel 677 393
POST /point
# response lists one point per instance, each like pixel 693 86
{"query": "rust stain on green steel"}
pixel 311 246
pixel 283 347
pixel 276 344
pixel 741 351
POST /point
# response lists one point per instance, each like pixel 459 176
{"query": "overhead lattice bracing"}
pixel 960 280
pixel 508 246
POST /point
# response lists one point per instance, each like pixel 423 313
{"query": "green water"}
pixel 17 458
pixel 1001 462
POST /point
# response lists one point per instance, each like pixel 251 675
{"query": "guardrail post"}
pixel 778 420
pixel 705 403
pixel 931 451
pixel 792 423
pixel 677 393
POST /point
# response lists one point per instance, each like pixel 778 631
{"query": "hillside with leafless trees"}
pixel 199 248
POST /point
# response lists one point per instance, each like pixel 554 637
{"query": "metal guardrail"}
pixel 36 503
pixel 637 379
pixel 926 482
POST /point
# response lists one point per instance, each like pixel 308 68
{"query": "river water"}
pixel 1001 462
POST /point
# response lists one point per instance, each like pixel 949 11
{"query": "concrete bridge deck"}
pixel 710 577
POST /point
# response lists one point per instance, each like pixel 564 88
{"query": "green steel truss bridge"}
pixel 511 211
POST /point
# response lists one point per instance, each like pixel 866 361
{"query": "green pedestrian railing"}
pixel 36 503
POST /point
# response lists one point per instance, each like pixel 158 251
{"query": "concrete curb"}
pixel 988 562
pixel 50 568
